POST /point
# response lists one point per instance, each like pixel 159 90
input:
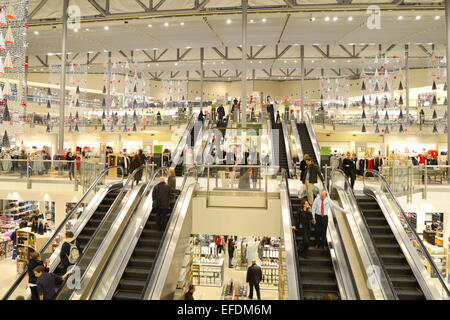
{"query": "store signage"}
pixel 157 149
pixel 325 150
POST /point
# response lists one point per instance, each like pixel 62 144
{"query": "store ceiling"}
pixel 184 36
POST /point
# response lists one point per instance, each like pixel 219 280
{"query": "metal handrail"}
pixel 297 264
pixel 377 252
pixel 110 210
pixel 347 260
pixel 149 276
pixel 313 138
pixel 179 149
pixel 429 258
pixel 138 203
pixel 62 224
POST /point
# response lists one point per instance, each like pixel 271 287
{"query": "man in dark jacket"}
pixel 230 252
pixel 303 167
pixel 68 254
pixel 312 171
pixel 142 156
pixel 32 280
pixel 46 282
pixel 161 202
pixel 349 168
pixel 221 114
pixel 190 294
pixel 254 277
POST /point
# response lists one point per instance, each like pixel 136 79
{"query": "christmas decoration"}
pixel 401 128
pixel 9 36
pixel 400 86
pixel 363 87
pixel 363 116
pixel 5 141
pixel 434 114
pixel 76 128
pixel 2 42
pixel 103 127
pixel 8 63
pixel 377 129
pixel 363 130
pixel 400 101
pixel 434 87
pixel 435 130
pixel 434 101
pixel 386 131
pixel 6 116
pixel 386 116
pixel 48 104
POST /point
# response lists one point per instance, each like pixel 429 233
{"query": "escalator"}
pixel 91 226
pixel 317 272
pixel 140 264
pixel 305 140
pixel 400 273
pixel 280 153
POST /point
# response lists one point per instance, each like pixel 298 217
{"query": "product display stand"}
pixel 185 278
pixel 27 243
pixel 234 291
pixel 208 272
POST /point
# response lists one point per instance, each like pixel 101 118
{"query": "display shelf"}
pixel 28 242
pixel 208 272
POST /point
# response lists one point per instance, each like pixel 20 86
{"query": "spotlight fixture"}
pixel 106 27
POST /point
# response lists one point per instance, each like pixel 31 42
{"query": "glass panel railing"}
pixel 18 288
pixel 91 248
pixel 435 282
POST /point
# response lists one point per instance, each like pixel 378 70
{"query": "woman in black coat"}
pixel 134 165
pixel 305 219
pixel 349 168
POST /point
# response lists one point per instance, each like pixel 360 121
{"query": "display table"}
pixel 208 273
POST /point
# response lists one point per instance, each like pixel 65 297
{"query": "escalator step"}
pixel 316 261
pixel 132 285
pixel 140 273
pixel 145 252
pixel 320 284
pixel 140 262
pixel 404 281
pixel 384 229
pixel 318 295
pixel 149 243
pixel 408 294
pixel 123 295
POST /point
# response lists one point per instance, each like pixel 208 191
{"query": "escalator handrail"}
pixel 313 139
pixel 135 210
pixel 405 217
pixel 63 224
pixel 111 209
pixel 179 148
pixel 149 276
pixel 347 260
pixel 297 264
pixel 363 218
pixel 287 147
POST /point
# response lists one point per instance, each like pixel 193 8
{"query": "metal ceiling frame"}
pixel 199 9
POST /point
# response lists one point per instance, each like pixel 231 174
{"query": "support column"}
pixel 25 89
pixel 253 77
pixel 302 90
pixel 108 86
pixel 62 90
pixel 202 74
pixel 447 19
pixel 407 81
pixel 244 63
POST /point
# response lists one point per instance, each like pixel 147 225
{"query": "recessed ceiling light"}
pixel 49 54
pixel 264 20
pixel 251 21
pixel 166 24
pixel 188 47
pixel 150 26
pixel 335 18
pixel 350 18
pixel 229 21
pixel 36 32
pixel 176 63
pixel 285 61
pixel 400 17
pixel 437 17
pixel 312 61
pixel 259 61
pixel 106 27
pixel 157 64
pixel 418 17
pixel 181 23
pixel 87 29
pixel 334 61
pixel 313 19
pixel 75 30
pixel 327 19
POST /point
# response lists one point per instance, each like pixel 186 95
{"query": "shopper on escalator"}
pixel 349 168
pixel 46 282
pixel 201 117
pixel 70 251
pixel 304 226
pixel 32 280
pixel 320 209
pixel 303 167
pixel 161 202
pixel 312 171
pixel 278 117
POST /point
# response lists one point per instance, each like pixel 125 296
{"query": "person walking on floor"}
pixel 46 282
pixel 70 251
pixel 320 209
pixel 32 280
pixel 190 294
pixel 230 252
pixel 135 164
pixel 254 277
pixel 70 165
pixel 312 171
pixel 349 168
pixel 161 202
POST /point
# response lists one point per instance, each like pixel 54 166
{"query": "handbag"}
pixel 27 291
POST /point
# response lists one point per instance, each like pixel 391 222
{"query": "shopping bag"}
pixel 14 254
pixel 27 291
